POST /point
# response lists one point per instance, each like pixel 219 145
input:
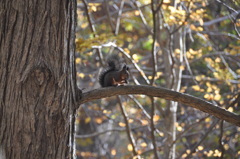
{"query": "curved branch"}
pixel 164 93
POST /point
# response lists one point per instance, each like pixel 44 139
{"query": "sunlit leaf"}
pixel 113 152
pixel 122 124
pixel 200 148
pixel 87 120
pixel 130 148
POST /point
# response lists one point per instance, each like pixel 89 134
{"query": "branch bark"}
pixel 164 93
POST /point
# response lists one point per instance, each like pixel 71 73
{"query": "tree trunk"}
pixel 37 85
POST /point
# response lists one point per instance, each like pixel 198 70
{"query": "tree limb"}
pixel 164 93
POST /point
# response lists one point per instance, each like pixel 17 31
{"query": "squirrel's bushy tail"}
pixel 114 62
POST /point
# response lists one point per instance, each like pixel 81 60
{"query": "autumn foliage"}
pixel 189 46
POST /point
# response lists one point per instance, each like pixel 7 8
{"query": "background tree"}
pixel 39 95
pixel 186 46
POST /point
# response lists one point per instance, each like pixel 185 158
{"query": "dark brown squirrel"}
pixel 116 74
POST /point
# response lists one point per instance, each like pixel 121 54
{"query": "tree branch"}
pixel 164 93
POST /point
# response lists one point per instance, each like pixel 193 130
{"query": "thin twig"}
pixel 108 14
pixel 110 44
pixel 154 50
pixel 128 129
pixel 136 3
pixel 144 111
pixel 153 129
pixel 106 131
pixel 219 19
pixel 221 147
pixel 134 64
pixel 119 17
pixel 89 17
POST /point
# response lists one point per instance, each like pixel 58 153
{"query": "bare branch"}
pixel 154 48
pixel 164 93
pixel 128 129
pixel 109 15
pixel 153 129
pixel 220 19
pixel 89 17
pixel 110 44
pixel 119 17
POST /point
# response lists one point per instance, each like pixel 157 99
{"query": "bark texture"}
pixel 37 85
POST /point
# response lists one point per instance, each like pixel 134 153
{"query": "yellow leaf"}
pixel 207 120
pixel 99 120
pixel 198 78
pixel 217 97
pixel 156 118
pixel 122 124
pixel 184 155
pixel 127 50
pixel 226 146
pixel 201 22
pixel 177 51
pixel 144 122
pixel 84 25
pixel 196 87
pixel 130 120
pixel 161 134
pixel 179 128
pixel 206 96
pixel 182 67
pixel 87 120
pixel 218 60
pixel 209 48
pixel 233 52
pixel 217 153
pixel 135 57
pixel 113 152
pixel 166 1
pixel 78 60
pixel 210 153
pixel 208 84
pixel 144 144
pixel 230 109
pixel 199 28
pixel 150 77
pixel 81 75
pixel 137 13
pixel 130 148
pixel 193 27
pixel 200 148
pixel 159 74
pixel 209 89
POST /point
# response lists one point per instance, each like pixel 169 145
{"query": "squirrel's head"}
pixel 124 72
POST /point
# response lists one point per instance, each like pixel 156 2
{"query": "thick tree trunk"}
pixel 37 85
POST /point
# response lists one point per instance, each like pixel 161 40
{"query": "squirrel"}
pixel 116 74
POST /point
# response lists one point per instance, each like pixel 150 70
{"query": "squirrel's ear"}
pixel 125 67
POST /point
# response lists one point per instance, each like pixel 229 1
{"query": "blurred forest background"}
pixel 190 46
